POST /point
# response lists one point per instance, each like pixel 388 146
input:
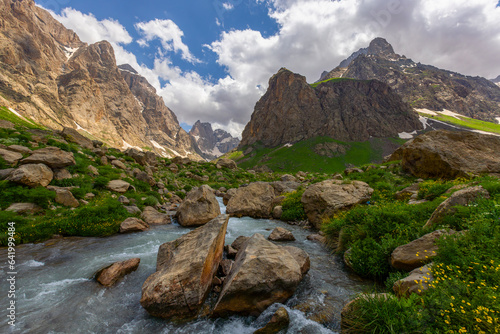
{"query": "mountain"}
pixel 49 75
pixel 423 86
pixel 496 80
pixel 212 143
pixel 348 110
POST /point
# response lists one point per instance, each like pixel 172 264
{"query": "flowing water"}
pixel 55 292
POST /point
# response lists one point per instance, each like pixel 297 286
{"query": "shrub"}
pixel 14 193
pixel 293 210
pixel 101 182
pixel 432 189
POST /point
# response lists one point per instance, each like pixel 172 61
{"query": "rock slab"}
pixel 254 200
pixel 199 207
pixel 111 274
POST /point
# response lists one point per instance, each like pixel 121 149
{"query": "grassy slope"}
pixel 7 115
pixel 316 84
pixel 301 156
pixel 467 122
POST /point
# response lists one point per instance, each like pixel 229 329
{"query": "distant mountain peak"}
pixel 212 143
pixel 380 47
pixel 496 80
pixel 128 68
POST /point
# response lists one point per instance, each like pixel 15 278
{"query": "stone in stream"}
pixel 185 271
pixel 151 216
pixel 109 275
pixel 254 200
pixel 279 322
pixel 198 208
pixel 262 274
pixel 281 234
pixel 133 225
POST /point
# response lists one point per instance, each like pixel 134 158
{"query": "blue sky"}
pixel 211 60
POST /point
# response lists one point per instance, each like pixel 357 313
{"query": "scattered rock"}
pixel 89 195
pixel 263 274
pixel 24 208
pixel 288 178
pixel 353 170
pixel 450 154
pixel 198 208
pixel 4 173
pixel 317 238
pixel 133 225
pixel 282 187
pixel 124 200
pixel 281 234
pixel 459 198
pixel 104 160
pixel 227 196
pixel 10 157
pixel 277 212
pixel 144 177
pixel 119 186
pixel 185 271
pixel 227 163
pixel 50 156
pixel 74 136
pixel 254 200
pixel 62 174
pixel 111 274
pixel 66 198
pixel 279 322
pixel 32 175
pixel 19 149
pixel 132 209
pixel 151 216
pixel 118 164
pixel 411 191
pixel 93 170
pixel 417 282
pixel 225 266
pixel 326 198
pixel 418 252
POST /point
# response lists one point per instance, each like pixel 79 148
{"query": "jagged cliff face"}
pixel 347 110
pixel 49 75
pixel 212 143
pixel 423 86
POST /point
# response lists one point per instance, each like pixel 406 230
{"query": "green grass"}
pixel 316 84
pixel 467 122
pixel 7 115
pixel 301 156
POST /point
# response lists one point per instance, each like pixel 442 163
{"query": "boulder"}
pixel 66 198
pixel 324 199
pixel 145 177
pixel 408 192
pixel 151 216
pixel 281 234
pixel 317 238
pixel 24 208
pixel 132 209
pixel 62 174
pixel 282 187
pixel 119 186
pixel 133 225
pixel 74 136
pixel 53 157
pixel 279 322
pixel 277 212
pixel 20 149
pixel 238 242
pixel 198 208
pixel 227 196
pixel 263 274
pixel 288 178
pixel 254 200
pixel 185 271
pixel 459 198
pixel 181 161
pixel 109 275
pixel 93 170
pixel 227 163
pixel 450 154
pixel 418 252
pixel 225 266
pixel 230 251
pixel 417 282
pixel 10 157
pixel 4 173
pixel 119 164
pixel 301 257
pixel 32 175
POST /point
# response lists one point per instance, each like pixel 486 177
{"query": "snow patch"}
pixel 423 120
pixel 288 145
pixel 486 133
pixel 426 111
pixel 225 140
pixel 406 135
pixel 498 119
pixel 127 145
pixel 69 51
pixel 196 138
pixel 18 115
pixel 155 144
pixel 451 113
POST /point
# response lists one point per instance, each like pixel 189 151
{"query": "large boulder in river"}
pixel 450 154
pixel 132 224
pixel 324 199
pixel 112 273
pixel 460 198
pixel 151 216
pixel 185 269
pixel 32 175
pixel 198 208
pixel 254 200
pixel 53 157
pixel 262 274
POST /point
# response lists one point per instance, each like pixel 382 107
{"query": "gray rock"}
pixel 32 175
pixel 10 157
pixel 53 157
pixel 133 225
pixel 281 234
pixel 119 186
pixel 24 208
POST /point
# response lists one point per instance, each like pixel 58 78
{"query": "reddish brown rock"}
pixel 111 274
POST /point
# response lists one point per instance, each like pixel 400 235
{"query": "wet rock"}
pixel 238 242
pixel 198 208
pixel 118 185
pixel 324 199
pixel 109 275
pixel 301 257
pixel 317 238
pixel 459 198
pixel 418 252
pixel 53 157
pixel 24 208
pixel 279 322
pixel 227 163
pixel 133 225
pixel 32 175
pixel 185 271
pixel 417 282
pixel 263 274
pixel 227 196
pixel 281 234
pixel 151 216
pixel 277 212
pixel 10 157
pixel 225 266
pixel 254 200
pixel 231 252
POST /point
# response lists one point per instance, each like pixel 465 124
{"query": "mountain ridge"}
pixel 212 143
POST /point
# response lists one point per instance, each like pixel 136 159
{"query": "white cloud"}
pixel 227 5
pixel 169 34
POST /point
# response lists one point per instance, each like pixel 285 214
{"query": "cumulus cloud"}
pixel 169 34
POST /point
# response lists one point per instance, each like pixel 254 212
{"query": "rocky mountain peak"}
pixel 496 80
pixel 380 47
pixel 212 144
pixel 127 67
